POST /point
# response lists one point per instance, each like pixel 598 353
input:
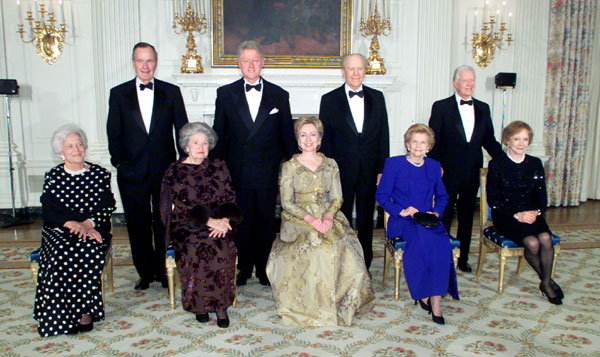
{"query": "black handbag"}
pixel 426 219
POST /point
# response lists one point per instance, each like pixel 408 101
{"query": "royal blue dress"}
pixel 428 264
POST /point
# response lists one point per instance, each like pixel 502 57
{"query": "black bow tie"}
pixel 250 86
pixel 467 102
pixel 144 86
pixel 360 93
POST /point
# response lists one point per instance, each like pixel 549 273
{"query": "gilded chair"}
pixel 394 247
pixel 107 273
pixel 171 268
pixel 492 241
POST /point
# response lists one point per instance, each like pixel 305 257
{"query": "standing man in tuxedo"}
pixel 141 116
pixel 256 132
pixel 356 136
pixel 462 126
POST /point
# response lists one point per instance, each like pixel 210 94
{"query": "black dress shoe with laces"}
pixel 465 267
pixel 142 284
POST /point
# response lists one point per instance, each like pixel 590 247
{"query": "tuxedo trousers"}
pixel 364 195
pixel 144 227
pixel 256 233
pixel 463 195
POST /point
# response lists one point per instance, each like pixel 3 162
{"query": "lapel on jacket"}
pixel 157 106
pixel 136 112
pixel 455 116
pixel 241 104
pixel 477 128
pixel 345 108
pixel 264 108
pixel 367 122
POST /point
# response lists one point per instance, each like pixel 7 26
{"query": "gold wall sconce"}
pixel 493 34
pixel 190 18
pixel 375 24
pixel 46 35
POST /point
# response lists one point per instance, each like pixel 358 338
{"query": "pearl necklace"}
pixel 416 164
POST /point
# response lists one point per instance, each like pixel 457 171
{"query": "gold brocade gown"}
pixel 317 279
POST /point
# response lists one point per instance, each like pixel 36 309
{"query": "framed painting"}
pixel 292 33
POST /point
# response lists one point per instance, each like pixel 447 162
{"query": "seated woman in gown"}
pixel 197 207
pixel 516 193
pixel 316 267
pixel 411 184
pixel 77 205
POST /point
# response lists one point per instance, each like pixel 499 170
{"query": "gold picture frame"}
pixel 292 33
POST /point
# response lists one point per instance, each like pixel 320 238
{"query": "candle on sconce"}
pixel 475 21
pixel 383 9
pixel 19 12
pixel 503 11
pixel 61 6
pixel 388 9
pixel 510 20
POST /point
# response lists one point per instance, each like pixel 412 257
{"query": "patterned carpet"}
pixel 519 322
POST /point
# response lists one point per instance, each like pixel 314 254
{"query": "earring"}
pixel 299 148
pixel 62 157
pixel 318 146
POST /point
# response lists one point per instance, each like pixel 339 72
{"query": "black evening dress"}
pixel 516 187
pixel 70 268
pixel 206 265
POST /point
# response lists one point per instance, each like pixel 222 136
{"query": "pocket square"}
pixel 274 111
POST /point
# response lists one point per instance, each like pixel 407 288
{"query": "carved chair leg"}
pixel 482 252
pixel 109 271
pixel 556 251
pixel 501 278
pixel 34 271
pixel 386 263
pixel 520 265
pixel 170 280
pixel 397 266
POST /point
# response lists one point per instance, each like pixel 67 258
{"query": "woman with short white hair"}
pixel 77 205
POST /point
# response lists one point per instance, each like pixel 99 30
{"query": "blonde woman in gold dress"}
pixel 316 266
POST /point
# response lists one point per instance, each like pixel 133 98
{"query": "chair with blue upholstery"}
pixel 492 241
pixel 394 247
pixel 108 268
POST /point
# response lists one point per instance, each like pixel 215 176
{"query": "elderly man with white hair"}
pixel 462 126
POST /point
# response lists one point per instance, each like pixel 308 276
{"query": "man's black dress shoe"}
pixel 202 318
pixel 466 267
pixel 241 278
pixel 142 284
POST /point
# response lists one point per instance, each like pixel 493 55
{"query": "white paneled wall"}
pixel 429 39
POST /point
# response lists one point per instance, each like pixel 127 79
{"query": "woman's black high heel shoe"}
pixel 224 322
pixel 553 300
pixel 438 319
pixel 86 328
pixel 425 306
pixel 557 289
pixel 202 318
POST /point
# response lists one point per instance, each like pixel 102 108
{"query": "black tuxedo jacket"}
pixel 138 155
pixel 461 159
pixel 253 151
pixel 342 142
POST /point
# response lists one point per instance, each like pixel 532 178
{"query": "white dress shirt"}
pixel 467 114
pixel 146 102
pixel 254 97
pixel 357 107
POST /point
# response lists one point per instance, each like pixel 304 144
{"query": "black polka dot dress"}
pixel 70 268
